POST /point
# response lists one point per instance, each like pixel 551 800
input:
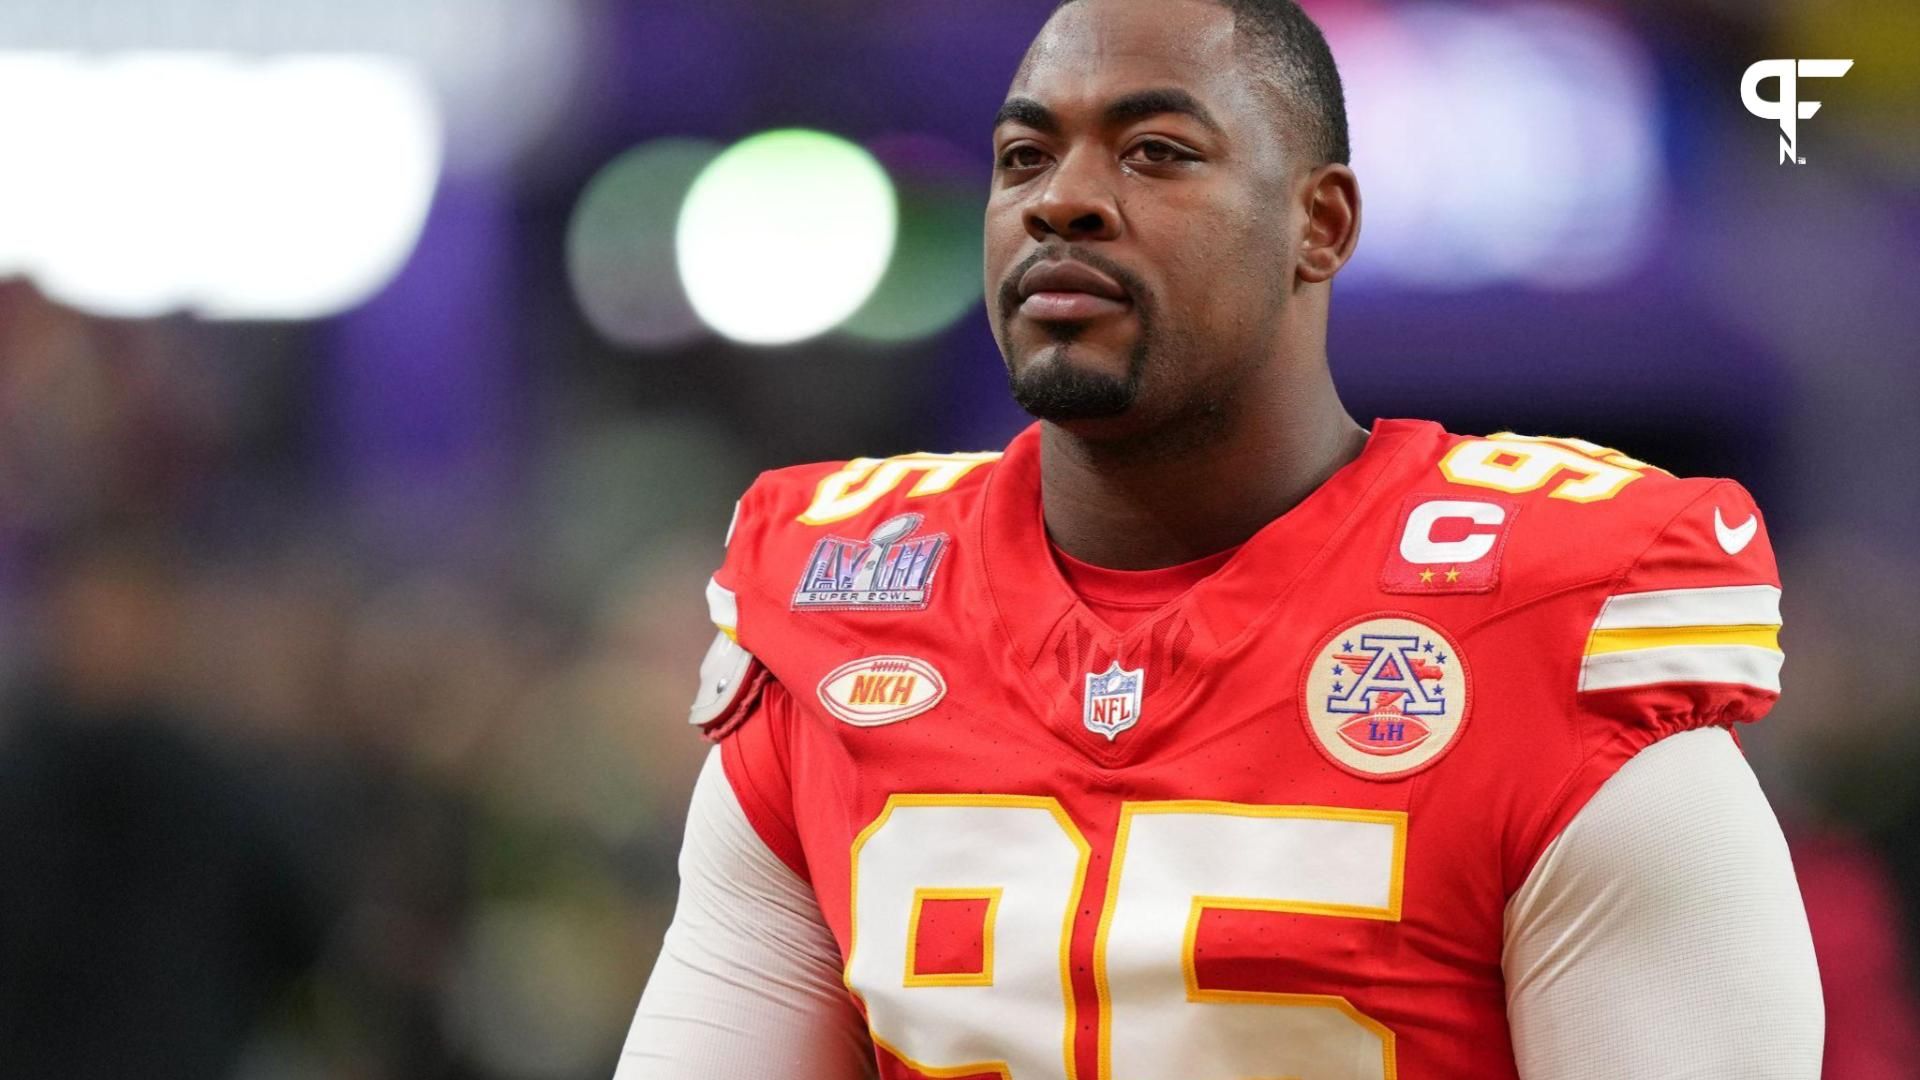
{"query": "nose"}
pixel 1075 203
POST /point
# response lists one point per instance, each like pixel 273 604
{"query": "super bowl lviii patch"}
pixel 1385 695
pixel 891 570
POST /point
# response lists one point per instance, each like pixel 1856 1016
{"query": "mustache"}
pixel 1009 292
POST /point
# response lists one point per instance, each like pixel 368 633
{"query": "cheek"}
pixel 1224 284
pixel 1204 275
pixel 1003 239
pixel 1252 252
pixel 1207 240
pixel 1005 229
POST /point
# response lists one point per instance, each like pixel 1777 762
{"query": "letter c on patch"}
pixel 1417 544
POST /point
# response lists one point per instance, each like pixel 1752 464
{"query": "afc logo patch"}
pixel 1385 695
pixel 1447 544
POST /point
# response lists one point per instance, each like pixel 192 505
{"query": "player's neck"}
pixel 1137 506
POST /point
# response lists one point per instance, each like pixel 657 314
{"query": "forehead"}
pixel 1094 50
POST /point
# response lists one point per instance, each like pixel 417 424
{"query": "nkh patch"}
pixel 1385 695
pixel 877 690
pixel 1447 544
pixel 1113 700
pixel 891 570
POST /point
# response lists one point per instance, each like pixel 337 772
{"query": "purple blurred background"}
pixel 368 427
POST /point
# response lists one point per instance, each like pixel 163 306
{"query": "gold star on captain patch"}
pixel 1453 574
pixel 1426 577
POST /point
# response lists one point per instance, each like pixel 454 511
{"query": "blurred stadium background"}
pixel 376 379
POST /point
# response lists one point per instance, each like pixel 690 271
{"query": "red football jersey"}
pixel 1269 831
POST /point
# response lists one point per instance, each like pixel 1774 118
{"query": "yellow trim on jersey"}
pixel 1659 637
pixel 1391 912
pixel 983 977
pixel 1712 634
pixel 864 481
pixel 1591 449
pixel 1389 1055
pixel 1039 802
pixel 997 1068
pixel 1536 463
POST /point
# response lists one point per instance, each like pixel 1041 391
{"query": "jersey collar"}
pixel 1033 604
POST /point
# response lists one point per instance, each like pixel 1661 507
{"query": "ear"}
pixel 1331 196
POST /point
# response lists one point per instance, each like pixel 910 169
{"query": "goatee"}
pixel 1053 387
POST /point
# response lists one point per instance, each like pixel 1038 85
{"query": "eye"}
pixel 1158 152
pixel 1022 156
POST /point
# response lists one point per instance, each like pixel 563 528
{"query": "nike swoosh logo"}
pixel 1734 540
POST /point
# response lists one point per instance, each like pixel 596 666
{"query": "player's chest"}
pixel 984 877
pixel 1180 708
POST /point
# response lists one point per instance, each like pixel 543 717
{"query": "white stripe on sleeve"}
pixel 1724 605
pixel 1749 665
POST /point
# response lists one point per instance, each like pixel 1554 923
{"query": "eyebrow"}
pixel 1122 110
pixel 1028 112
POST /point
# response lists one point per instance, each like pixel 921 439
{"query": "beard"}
pixel 1049 385
pixel 1052 387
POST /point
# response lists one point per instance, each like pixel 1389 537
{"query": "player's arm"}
pixel 1662 935
pixel 748 981
pixel 1659 931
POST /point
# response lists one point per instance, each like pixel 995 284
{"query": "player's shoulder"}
pixel 864 491
pixel 824 493
pixel 1568 509
pixel 861 534
pixel 1632 601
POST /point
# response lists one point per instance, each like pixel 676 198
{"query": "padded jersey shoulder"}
pixel 1579 513
pixel 868 502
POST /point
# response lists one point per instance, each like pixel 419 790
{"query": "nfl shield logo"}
pixel 1113 700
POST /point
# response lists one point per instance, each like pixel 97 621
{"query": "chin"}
pixel 1070 384
pixel 1074 352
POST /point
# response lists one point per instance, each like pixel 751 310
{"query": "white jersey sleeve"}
pixel 748 981
pixel 1662 935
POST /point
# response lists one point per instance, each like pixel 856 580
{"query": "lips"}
pixel 1065 290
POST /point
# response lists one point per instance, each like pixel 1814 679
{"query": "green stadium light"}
pixel 785 235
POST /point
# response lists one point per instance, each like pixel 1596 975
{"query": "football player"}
pixel 1204 734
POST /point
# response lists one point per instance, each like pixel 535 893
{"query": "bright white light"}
pixel 344 157
pixel 504 69
pixel 144 183
pixel 785 235
pixel 1512 144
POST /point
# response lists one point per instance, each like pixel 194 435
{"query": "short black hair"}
pixel 1300 66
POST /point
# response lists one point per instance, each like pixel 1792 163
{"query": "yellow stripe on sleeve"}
pixel 1658 637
